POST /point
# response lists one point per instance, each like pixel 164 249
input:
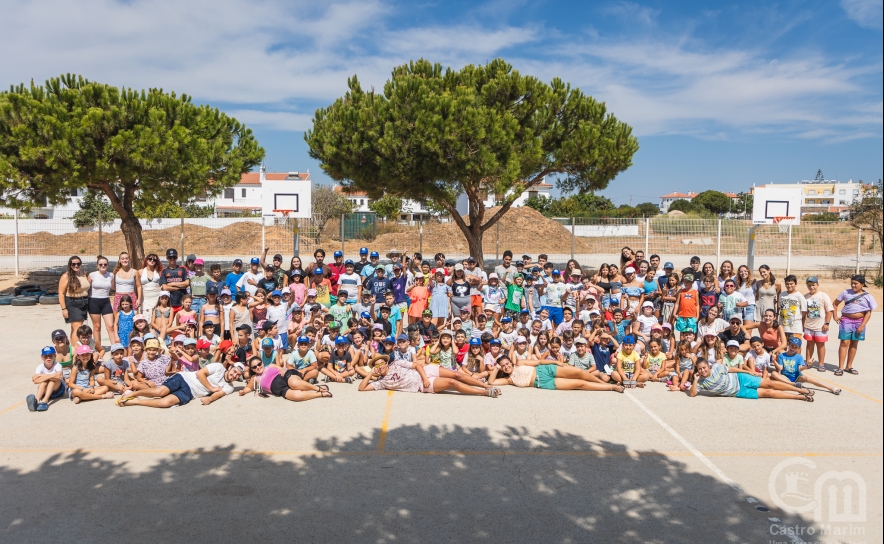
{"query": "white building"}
pixel 490 200
pixel 412 211
pixel 667 200
pixel 827 195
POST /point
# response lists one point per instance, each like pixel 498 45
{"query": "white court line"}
pixel 705 460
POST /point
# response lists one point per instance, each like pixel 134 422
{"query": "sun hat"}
pixel 152 343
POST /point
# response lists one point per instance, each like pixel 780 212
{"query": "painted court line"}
pixel 833 384
pixel 13 407
pixel 385 423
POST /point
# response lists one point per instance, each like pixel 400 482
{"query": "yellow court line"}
pixel 385 423
pixel 453 453
pixel 13 407
pixel 873 399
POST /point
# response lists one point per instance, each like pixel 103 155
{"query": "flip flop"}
pixel 122 401
pixel 808 398
pixel 820 368
pixel 810 393
pixel 851 371
pixel 839 372
pixel 836 391
pixel 492 392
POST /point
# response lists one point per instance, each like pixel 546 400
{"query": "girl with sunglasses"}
pixel 150 283
pixel 73 288
pixel 100 309
pixel 287 384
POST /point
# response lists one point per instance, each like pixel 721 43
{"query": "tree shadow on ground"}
pixel 545 487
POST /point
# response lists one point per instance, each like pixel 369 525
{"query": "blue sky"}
pixel 720 95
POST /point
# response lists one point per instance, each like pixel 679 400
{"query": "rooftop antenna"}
pixel 819 176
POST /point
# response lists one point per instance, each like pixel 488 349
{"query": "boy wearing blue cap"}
pixel 369 267
pixel 248 282
pixel 363 260
pixel 303 359
pixel 790 363
pixel 350 282
pixel 48 380
pixel 340 364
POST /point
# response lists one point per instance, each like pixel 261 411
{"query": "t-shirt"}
pixel 378 286
pixel 505 274
pixel 41 369
pixel 791 364
pixel 173 275
pixel 736 362
pixel 582 363
pixel 818 306
pixel 554 292
pixel 155 370
pixel 720 382
pixel 573 290
pixel 244 285
pixel 215 377
pixel 400 377
pixel 367 270
pixel 729 305
pixel 514 297
pixel 268 284
pixel 231 281
pixel 350 283
pixel 855 303
pixel 601 353
pixel 656 362
pixel 708 299
pixel 687 303
pixel 399 285
pixel 300 363
pixel 493 295
pixel 116 371
pixel 341 313
pixel 478 273
pixel 627 362
pixel 727 335
pixel 198 284
pixel 760 362
pixel 792 305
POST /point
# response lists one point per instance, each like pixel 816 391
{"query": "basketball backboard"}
pixel 770 203
pixel 292 195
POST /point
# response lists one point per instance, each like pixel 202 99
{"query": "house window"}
pixel 243 193
pixel 361 201
pixel 842 192
pixel 228 194
pixel 811 192
pixel 828 192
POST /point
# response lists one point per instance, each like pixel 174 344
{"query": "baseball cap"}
pixel 48 350
pixel 171 253
pixel 276 293
pixel 374 254
pixel 296 309
pixel 198 261
pixel 506 320
pixel 576 272
pixel 237 261
pixel 268 325
pixel 667 326
pixel 493 276
pixel 318 271
pixel 363 251
pixel 475 342
pixel 340 340
pixel 58 333
pixel 349 262
pixel 303 340
pixel 629 270
pixel 580 340
pixel 311 292
pixel 384 308
pixel 688 277
pixel 519 340
pixel 628 339
pixel 255 260
pixel 812 279
pixel 390 340
pixel 83 349
pixel 595 312
pixel 297 272
pixel 732 343
pixel 267 343
pixel 520 263
pixel 647 304
pixel 226 291
pixel 245 327
pixel 657 328
pixel 471 260
pixel 736 318
pixel 795 341
pixel 239 366
pixel 334 325
pixel 668 264
pixel 402 337
pixel 117 347
pixel 495 342
pixel 465 310
pixel 224 345
pixel 556 272
pixel 365 315
pixel 278 257
pixel 458 266
pixel 269 267
pixel 427 312
pixel 203 344
pixel 148 336
pixel 212 290
pixel 418 274
pixel 525 311
pixel 339 253
pixel 190 341
pixel 138 339
pixel 191 257
pixel 397 266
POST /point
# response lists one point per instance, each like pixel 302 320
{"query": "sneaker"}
pixel 348 380
pixel 42 407
pixel 312 381
pixel 31 401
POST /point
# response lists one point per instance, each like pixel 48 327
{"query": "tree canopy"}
pixel 387 207
pixel 434 134
pixel 713 201
pixel 328 203
pixel 682 205
pixel 146 146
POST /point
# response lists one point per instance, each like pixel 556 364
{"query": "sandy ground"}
pixel 533 465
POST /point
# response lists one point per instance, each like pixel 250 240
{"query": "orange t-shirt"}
pixel 687 303
pixel 418 295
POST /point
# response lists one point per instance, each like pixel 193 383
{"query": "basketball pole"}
pixel 750 257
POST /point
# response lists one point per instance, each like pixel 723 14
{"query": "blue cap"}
pixel 318 271
pixel 48 350
pixel 276 293
pixel 303 340
pixel 339 253
pixel 668 264
pixel 402 337
pixel 506 320
pixel 494 342
pixel 365 315
pixel 267 343
pixel 363 251
pixel 138 339
pixel 255 260
pixel 120 347
pixel 525 311
pixel 556 272
pixel 629 339
pixel 389 340
pixel 149 335
pixel 187 342
pixel 374 254
pixel 795 341
pixel 340 340
pixel 349 261
pixel 475 342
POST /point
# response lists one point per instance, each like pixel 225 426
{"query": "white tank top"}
pixel 101 284
pixel 145 279
pixel 126 285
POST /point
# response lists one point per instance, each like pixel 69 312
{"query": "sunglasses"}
pixel 76 264
pixel 256 367
pixel 151 259
pixel 102 265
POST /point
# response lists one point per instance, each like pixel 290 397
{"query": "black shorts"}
pixel 100 306
pixel 78 309
pixel 280 384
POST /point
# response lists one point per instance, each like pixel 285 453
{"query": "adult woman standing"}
pixel 746 287
pixel 100 308
pixel 150 283
pixel 858 306
pixel 602 281
pixel 73 286
pixel 295 268
pixel 767 289
pixel 725 272
pixel 125 281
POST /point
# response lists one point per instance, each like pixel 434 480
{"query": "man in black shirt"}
pixel 735 332
pixel 174 279
pixel 268 282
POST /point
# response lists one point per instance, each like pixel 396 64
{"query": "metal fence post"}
pixel 859 247
pixel 647 234
pixel 15 241
pixel 572 236
pixel 420 220
pixel 295 232
pixel 497 244
pixel 99 233
pixel 789 253
pixel 182 233
pixel 718 251
pixel 342 233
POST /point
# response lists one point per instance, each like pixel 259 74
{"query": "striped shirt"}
pixel 720 382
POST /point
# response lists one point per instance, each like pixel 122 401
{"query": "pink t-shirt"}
pixel 270 372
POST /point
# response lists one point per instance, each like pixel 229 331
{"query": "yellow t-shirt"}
pixel 628 361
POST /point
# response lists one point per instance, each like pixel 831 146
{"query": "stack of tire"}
pixel 29 295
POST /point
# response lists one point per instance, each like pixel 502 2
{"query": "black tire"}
pixel 29 287
pixel 49 299
pixel 6 301
pixel 24 301
pixel 35 293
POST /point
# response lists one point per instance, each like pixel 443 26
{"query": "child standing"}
pixel 124 321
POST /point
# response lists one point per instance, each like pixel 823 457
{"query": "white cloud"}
pixel 866 13
pixel 633 12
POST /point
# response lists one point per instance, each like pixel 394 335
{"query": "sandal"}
pixel 851 371
pixel 820 368
pixel 493 392
pixel 836 391
pixel 810 393
pixel 839 372
pixel 323 387
pixel 808 398
pixel 620 389
pixel 323 393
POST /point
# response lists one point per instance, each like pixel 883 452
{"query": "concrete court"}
pixel 533 465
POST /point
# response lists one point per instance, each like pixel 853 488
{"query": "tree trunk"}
pixel 131 228
pixel 474 242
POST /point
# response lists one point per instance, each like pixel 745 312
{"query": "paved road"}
pixel 533 465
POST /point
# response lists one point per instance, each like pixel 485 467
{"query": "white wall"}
pixel 33 226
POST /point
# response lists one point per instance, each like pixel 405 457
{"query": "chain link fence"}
pixel 28 245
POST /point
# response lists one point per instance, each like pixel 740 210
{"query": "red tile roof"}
pixel 254 178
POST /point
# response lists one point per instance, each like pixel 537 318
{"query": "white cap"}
pixel 629 270
pixel 458 266
pixel 521 340
pixel 580 340
pixel 493 276
pixel 733 343
pixel 576 272
pixel 647 304
pixel 446 331
pixel 418 274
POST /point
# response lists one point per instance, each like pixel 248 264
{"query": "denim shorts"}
pixel 749 313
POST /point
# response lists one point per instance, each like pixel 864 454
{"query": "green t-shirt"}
pixel 198 285
pixel 514 296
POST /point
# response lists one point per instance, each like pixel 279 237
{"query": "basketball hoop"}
pixel 784 222
pixel 284 215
